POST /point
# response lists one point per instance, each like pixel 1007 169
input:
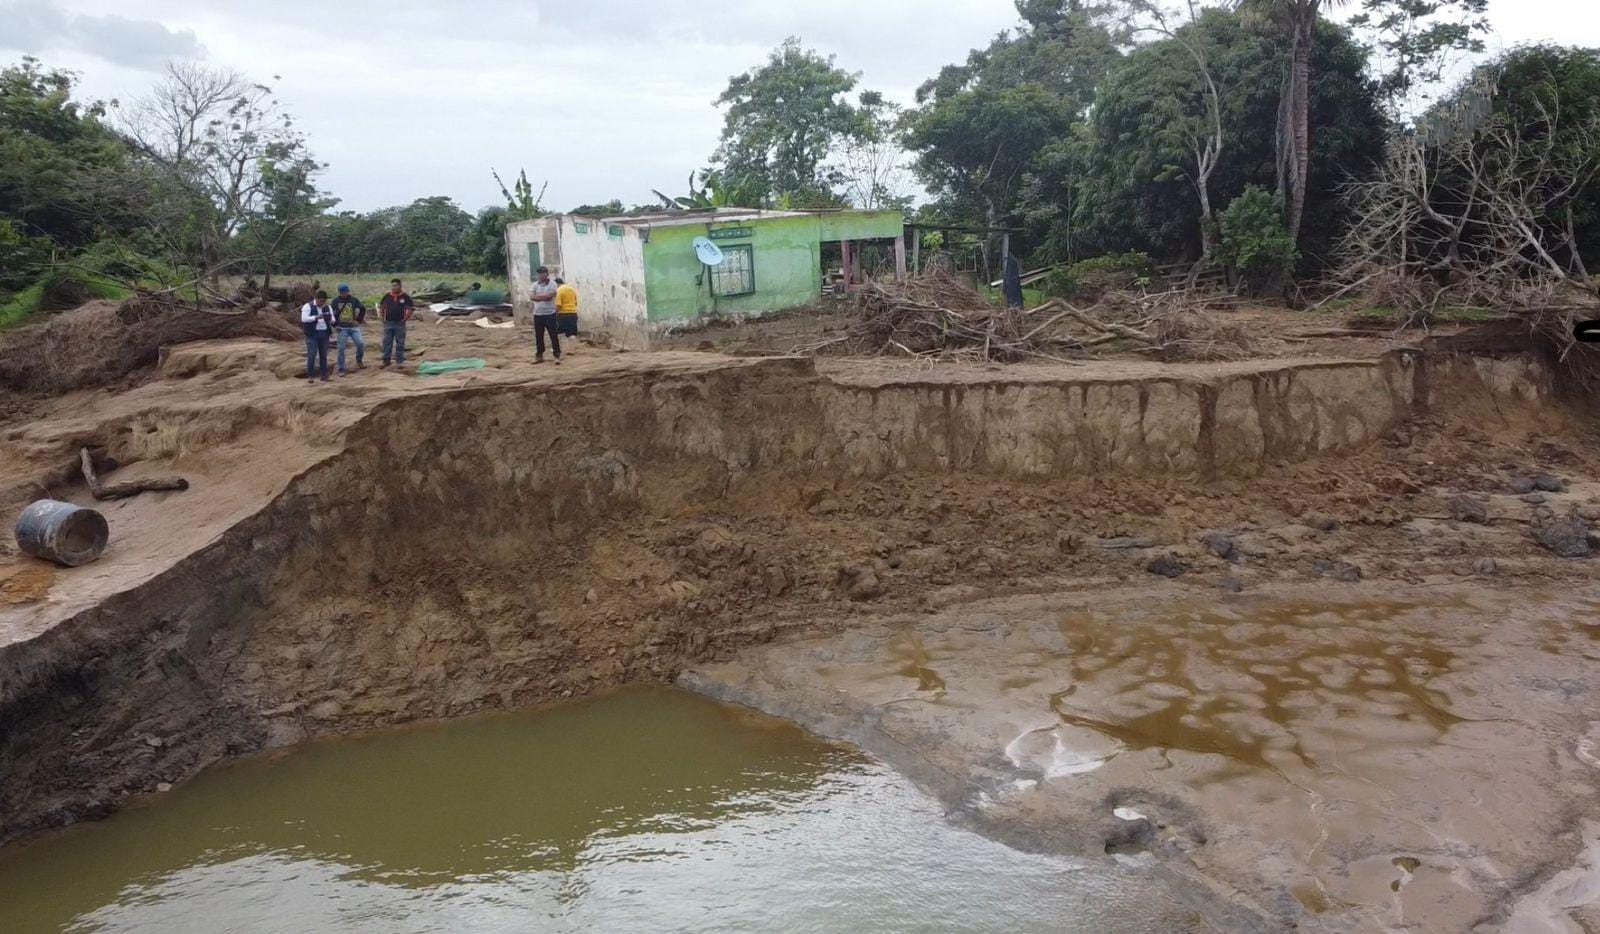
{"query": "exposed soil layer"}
pixel 390 549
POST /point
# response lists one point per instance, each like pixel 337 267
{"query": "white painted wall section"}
pixel 604 262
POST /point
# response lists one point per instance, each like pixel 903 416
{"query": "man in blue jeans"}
pixel 348 316
pixel 316 320
pixel 396 309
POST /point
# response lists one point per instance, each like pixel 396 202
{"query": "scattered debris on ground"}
pixel 940 315
pixel 126 488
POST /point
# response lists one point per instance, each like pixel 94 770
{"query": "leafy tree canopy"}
pixel 783 119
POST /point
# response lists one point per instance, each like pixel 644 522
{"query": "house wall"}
pixel 861 225
pixel 786 256
pixel 519 264
pixel 644 276
pixel 607 270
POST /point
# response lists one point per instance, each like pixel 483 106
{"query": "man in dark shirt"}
pixel 348 316
pixel 396 309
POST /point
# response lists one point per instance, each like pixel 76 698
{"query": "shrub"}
pixel 1255 244
pixel 1090 279
pixel 21 257
pixel 60 287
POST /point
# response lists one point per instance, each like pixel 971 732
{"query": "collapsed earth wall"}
pixel 444 561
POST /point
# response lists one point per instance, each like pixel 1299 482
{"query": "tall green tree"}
pixel 522 202
pixel 55 155
pixel 1191 117
pixel 979 126
pixel 1296 22
pixel 486 244
pixel 1121 180
pixel 73 195
pixel 783 121
pixel 434 231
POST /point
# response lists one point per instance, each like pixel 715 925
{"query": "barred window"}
pixel 736 274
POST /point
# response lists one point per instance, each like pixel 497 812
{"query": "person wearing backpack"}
pixel 348 316
pixel 316 320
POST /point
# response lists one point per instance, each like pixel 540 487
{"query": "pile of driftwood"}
pixel 939 315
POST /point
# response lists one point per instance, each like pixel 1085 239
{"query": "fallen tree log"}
pixel 125 488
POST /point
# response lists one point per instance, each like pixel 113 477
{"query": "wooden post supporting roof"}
pixel 900 258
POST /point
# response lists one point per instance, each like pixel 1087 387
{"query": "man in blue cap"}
pixel 349 314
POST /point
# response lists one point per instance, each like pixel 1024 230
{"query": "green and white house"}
pixel 638 274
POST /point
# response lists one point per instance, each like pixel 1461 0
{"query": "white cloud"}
pixel 41 26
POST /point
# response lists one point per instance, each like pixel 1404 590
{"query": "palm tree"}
pixel 1298 21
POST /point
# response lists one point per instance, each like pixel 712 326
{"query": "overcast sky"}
pixel 602 98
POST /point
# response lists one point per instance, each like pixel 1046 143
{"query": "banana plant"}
pixel 711 194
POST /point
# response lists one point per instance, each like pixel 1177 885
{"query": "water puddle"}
pixel 1249 687
pixel 914 655
pixel 648 809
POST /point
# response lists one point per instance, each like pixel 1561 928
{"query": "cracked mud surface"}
pixel 1337 757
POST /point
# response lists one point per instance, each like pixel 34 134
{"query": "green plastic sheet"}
pixel 434 368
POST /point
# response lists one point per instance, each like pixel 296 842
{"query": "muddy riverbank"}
pixel 1336 758
pixel 394 550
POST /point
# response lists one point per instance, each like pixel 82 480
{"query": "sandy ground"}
pixel 1339 757
pixel 234 418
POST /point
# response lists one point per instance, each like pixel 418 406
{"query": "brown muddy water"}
pixel 646 809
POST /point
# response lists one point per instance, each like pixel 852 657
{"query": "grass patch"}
pixel 370 286
pixel 57 291
pixel 22 306
pixel 1387 314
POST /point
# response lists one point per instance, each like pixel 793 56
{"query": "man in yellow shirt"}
pixel 566 308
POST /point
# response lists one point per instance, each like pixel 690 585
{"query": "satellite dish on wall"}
pixel 709 252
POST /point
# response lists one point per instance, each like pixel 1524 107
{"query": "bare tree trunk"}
pixel 1208 226
pixel 1300 121
pixel 1578 268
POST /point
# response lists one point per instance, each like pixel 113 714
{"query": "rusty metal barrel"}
pixel 65 533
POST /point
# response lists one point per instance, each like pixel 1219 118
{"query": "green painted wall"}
pixel 787 258
pixel 861 225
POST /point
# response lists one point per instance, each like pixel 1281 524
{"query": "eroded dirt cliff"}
pixel 500 542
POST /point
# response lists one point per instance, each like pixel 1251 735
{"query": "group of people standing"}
pixel 555 312
pixel 321 320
